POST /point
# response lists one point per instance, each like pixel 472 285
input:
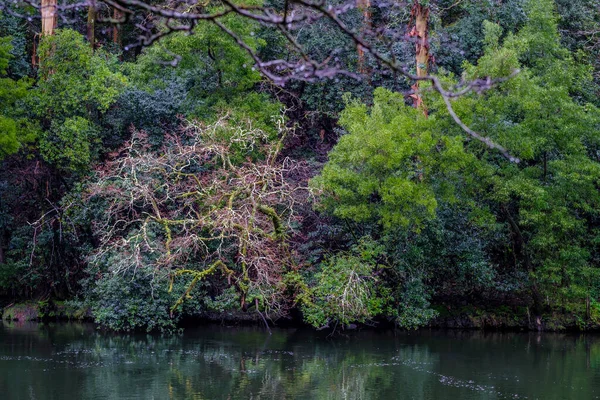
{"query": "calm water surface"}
pixel 74 361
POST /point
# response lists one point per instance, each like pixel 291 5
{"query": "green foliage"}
pixel 256 107
pixel 414 310
pixel 460 35
pixel 346 289
pixel 74 79
pixel 16 28
pixel 228 300
pixel 549 200
pixel 198 76
pixel 76 88
pixel 8 138
pixel 448 256
pixel 320 40
pixel 578 23
pixel 67 145
pixel 13 132
pixel 209 62
pixel 5 48
pixel 392 167
pixel 137 301
pixel 448 217
pixel 9 274
pixel 395 168
pixel 155 112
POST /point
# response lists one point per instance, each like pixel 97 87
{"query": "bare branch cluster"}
pixel 195 208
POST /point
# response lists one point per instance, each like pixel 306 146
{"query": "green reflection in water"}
pixel 75 361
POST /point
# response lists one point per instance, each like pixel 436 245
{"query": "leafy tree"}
pixel 210 64
pixel 395 168
pixel 392 167
pixel 346 289
pixel 550 199
pixel 459 34
pixel 12 126
pixel 15 28
pixel 578 26
pixel 76 87
pixel 200 75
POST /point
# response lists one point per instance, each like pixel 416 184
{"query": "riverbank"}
pixel 509 319
pixel 501 318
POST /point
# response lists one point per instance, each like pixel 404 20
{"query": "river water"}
pixel 77 361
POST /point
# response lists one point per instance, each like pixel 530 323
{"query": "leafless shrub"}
pixel 216 199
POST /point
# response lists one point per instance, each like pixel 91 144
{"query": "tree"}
pixel 12 134
pixel 346 289
pixel 548 203
pixel 91 24
pixel 214 203
pixel 76 87
pixel 420 31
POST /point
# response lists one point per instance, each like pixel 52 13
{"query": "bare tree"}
pixel 192 210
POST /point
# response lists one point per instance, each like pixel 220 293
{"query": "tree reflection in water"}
pixel 213 362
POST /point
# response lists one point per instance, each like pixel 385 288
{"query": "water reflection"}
pixel 76 361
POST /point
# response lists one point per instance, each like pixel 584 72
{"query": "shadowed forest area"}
pixel 329 163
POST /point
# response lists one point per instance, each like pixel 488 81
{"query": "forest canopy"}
pixel 424 163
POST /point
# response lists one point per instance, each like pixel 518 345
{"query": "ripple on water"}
pixel 445 380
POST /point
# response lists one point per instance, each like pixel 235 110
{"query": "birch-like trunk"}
pixel 49 17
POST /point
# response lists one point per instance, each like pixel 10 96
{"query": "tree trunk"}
pixel 48 9
pixel 364 6
pixel 521 245
pixel 117 17
pixel 588 307
pixel 91 24
pixel 2 259
pixel 420 16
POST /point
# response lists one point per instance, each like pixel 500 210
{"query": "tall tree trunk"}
pixel 419 31
pixel 49 17
pixel 420 16
pixel 49 21
pixel 91 24
pixel 116 30
pixel 364 6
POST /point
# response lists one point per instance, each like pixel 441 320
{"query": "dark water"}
pixel 74 361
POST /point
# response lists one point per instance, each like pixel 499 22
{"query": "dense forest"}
pixel 409 164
